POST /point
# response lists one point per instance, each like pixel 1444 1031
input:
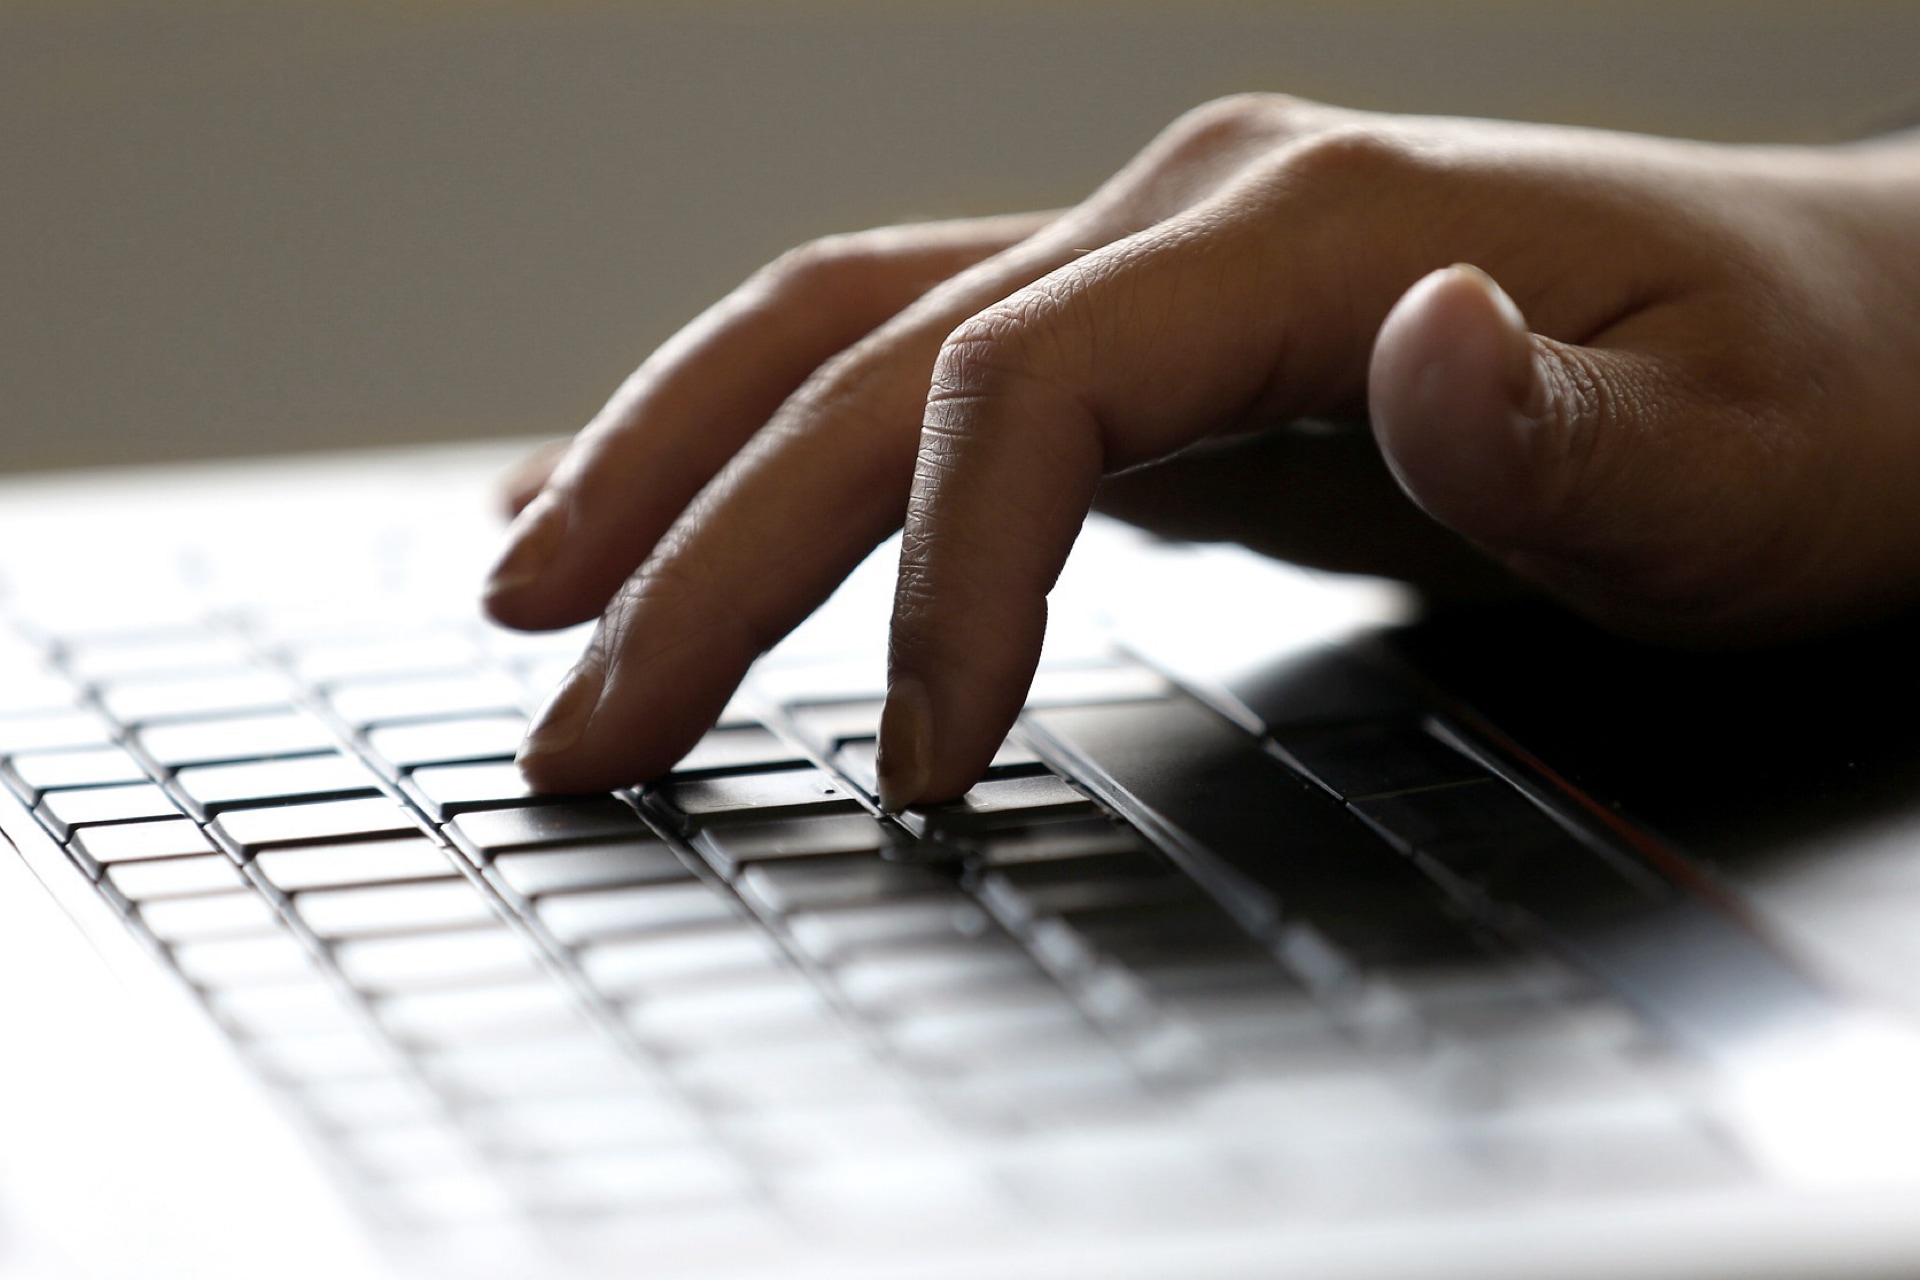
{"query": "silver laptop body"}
pixel 1291 934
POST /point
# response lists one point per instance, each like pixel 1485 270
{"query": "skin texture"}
pixel 1686 409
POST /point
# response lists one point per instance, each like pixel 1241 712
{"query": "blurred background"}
pixel 234 227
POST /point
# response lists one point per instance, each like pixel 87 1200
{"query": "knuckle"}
pixel 1344 156
pixel 1237 119
pixel 824 266
pixel 1016 338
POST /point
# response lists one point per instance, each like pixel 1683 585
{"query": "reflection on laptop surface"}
pixel 1285 936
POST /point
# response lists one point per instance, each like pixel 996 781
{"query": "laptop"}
pixel 1296 930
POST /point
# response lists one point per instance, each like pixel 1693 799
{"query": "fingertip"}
pixel 939 735
pixel 533 543
pixel 1449 387
pixel 546 757
pixel 925 759
pixel 906 745
pixel 522 482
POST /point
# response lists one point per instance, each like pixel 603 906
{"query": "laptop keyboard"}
pixel 742 1001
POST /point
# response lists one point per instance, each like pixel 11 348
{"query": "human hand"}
pixel 1701 432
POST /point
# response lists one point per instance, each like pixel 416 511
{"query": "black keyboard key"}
pixel 216 915
pixel 190 654
pixel 1104 683
pixel 576 918
pixel 456 957
pixel 40 772
pixel 535 872
pixel 998 801
pixel 325 822
pixel 1374 758
pixel 576 821
pixel 452 789
pixel 1321 686
pixel 269 959
pixel 1415 931
pixel 250 737
pixel 782 887
pixel 293 1009
pixel 324 1057
pixel 1055 841
pixel 174 877
pixel 1161 943
pixel 933 917
pixel 1036 1021
pixel 746 747
pixel 67 811
pixel 762 1014
pixel 215 788
pixel 428 652
pixel 859 759
pixel 51 731
pixel 728 847
pixel 146 701
pixel 984 971
pixel 832 724
pixel 132 841
pixel 779 793
pixel 415 907
pixel 670 963
pixel 335 866
pixel 29 689
pixel 363 703
pixel 1014 759
pixel 1134 878
pixel 470 738
pixel 478 1015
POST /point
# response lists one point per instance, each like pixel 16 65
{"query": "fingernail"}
pixel 1517 370
pixel 532 544
pixel 562 722
pixel 906 744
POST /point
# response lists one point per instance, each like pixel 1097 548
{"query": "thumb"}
pixel 1595 471
pixel 1459 396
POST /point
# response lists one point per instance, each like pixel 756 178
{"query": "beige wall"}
pixel 228 227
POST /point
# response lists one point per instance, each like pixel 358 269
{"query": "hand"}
pixel 1703 430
